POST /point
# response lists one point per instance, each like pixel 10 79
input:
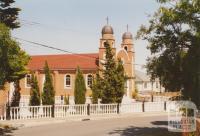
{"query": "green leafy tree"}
pixel 80 88
pixel 35 92
pixel 120 81
pixel 110 85
pixel 13 59
pixel 109 76
pixel 16 95
pixel 174 38
pixel 96 88
pixel 66 100
pixel 9 14
pixel 48 95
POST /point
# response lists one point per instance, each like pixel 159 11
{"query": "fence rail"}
pixel 131 108
pixel 70 110
pixel 30 112
pixel 154 106
pixel 100 109
pixel 64 111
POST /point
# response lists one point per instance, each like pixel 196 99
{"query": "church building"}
pixel 63 67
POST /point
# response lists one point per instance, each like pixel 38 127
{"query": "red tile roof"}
pixel 64 61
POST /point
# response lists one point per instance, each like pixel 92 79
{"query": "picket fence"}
pixel 64 111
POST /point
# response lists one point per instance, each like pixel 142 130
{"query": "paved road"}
pixel 127 126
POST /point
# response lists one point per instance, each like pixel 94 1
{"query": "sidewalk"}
pixel 46 121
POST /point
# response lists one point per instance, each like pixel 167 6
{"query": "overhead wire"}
pixel 62 50
pixel 35 23
pixel 27 22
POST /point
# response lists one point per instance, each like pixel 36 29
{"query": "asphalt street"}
pixel 127 126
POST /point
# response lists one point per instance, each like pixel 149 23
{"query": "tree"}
pixel 120 81
pixel 13 59
pixel 109 76
pixel 35 92
pixel 110 85
pixel 174 40
pixel 48 95
pixel 96 88
pixel 16 95
pixel 66 100
pixel 80 88
pixel 9 14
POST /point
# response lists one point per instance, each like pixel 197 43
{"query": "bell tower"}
pixel 128 47
pixel 107 38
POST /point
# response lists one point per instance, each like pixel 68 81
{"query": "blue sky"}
pixel 75 25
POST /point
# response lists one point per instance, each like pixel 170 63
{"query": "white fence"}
pixel 64 111
pixel 30 112
pixel 70 110
pixel 101 109
pixel 154 106
pixel 131 108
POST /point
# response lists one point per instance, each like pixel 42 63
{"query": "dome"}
pixel 107 29
pixel 127 35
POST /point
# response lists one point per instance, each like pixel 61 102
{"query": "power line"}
pixel 54 48
pixel 34 23
pixel 62 50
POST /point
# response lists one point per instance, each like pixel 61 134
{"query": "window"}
pixel 28 81
pixel 67 81
pixel 125 48
pixel 145 85
pixel 89 80
pixel 106 44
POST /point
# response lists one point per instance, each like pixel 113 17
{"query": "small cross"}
pixel 127 27
pixel 107 20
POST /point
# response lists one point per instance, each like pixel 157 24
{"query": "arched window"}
pixel 67 81
pixel 89 80
pixel 125 48
pixel 28 81
pixel 106 43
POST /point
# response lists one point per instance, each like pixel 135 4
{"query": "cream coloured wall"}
pixel 149 87
pixel 58 83
pixel 4 94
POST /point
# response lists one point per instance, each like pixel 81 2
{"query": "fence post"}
pixel 118 108
pixel 143 110
pixel 8 112
pixel 152 98
pixel 88 109
pixel 53 111
pixel 165 106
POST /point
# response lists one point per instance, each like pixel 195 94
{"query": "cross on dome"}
pixel 107 20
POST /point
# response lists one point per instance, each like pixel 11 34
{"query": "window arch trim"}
pixel 89 80
pixel 67 81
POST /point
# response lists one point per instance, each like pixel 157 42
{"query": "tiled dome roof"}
pixel 127 35
pixel 107 29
